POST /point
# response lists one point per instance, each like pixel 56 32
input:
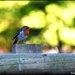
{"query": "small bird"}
pixel 21 34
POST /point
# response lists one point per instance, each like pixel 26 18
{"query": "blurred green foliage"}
pixel 49 21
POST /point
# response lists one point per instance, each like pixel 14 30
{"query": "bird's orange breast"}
pixel 26 32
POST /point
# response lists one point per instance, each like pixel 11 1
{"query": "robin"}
pixel 21 34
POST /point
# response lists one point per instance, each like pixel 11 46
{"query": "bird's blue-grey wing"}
pixel 16 34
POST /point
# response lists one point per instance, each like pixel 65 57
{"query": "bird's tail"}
pixel 15 41
pixel 15 36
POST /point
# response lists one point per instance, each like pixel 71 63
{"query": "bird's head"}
pixel 25 27
pixel 26 30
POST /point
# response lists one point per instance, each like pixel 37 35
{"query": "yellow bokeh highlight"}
pixel 51 37
pixel 67 35
pixel 50 18
pixel 54 9
pixel 54 26
pixel 73 37
pixel 68 15
pixel 4 25
pixel 10 4
pixel 66 12
pixel 36 19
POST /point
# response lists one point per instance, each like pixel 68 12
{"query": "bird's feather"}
pixel 15 41
pixel 17 34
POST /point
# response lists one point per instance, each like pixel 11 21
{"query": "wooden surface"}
pixel 37 63
pixel 27 48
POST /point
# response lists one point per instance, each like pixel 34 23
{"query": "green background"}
pixel 50 22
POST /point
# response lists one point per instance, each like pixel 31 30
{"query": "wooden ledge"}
pixel 37 63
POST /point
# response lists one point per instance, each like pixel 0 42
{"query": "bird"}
pixel 21 35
